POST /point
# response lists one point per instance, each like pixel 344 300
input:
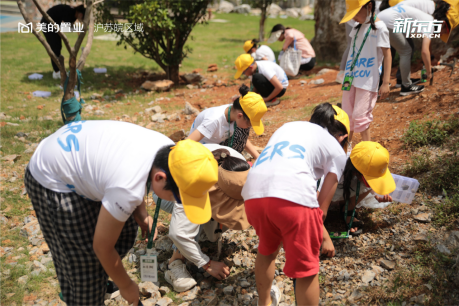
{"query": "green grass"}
pixel 433 132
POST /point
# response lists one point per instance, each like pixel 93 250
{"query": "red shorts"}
pixel 300 228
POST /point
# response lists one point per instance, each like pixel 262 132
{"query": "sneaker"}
pixel 413 82
pixel 412 89
pixel 276 295
pixel 56 75
pixel 272 103
pixel 178 276
pixel 340 77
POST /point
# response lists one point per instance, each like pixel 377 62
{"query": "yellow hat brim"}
pixel 197 210
pixel 350 15
pixel 258 127
pixel 238 74
pixel 381 185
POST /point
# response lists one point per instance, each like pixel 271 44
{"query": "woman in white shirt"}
pixel 259 52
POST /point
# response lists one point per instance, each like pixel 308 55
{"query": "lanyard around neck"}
pixel 347 205
pixel 356 57
pixel 230 143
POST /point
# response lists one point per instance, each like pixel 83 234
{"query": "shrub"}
pixel 433 132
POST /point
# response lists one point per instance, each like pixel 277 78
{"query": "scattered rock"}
pixel 164 243
pixel 12 158
pixel 164 290
pixel 225 7
pixel 368 276
pixel 317 82
pixel 23 280
pixel 99 112
pixel 30 229
pixel 191 78
pixel 159 86
pixel 148 289
pixel 190 110
pixel 177 136
pixel 228 290
pixel 164 301
pixel 212 68
pixel 387 264
pixel 424 217
pixel 174 117
pixel 356 294
pixel 153 110
pixel 420 238
pixel 324 71
pixel 158 118
pixel 443 249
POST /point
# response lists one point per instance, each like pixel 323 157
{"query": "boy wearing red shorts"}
pixel 282 205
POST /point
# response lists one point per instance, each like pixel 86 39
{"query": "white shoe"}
pixel 340 77
pixel 57 75
pixel 178 276
pixel 276 295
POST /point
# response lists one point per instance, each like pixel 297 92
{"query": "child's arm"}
pixel 384 91
pixel 144 220
pixel 277 89
pixel 249 147
pixel 426 56
pixel 108 230
pixel 196 136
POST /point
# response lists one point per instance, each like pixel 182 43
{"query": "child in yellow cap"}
pixel 267 78
pixel 369 47
pixel 282 205
pixel 259 52
pixel 368 166
pixel 229 125
pixel 87 185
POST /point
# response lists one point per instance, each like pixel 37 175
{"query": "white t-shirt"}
pixel 366 70
pixel 234 153
pixel 402 11
pixel 213 124
pixel 106 161
pixel 264 51
pixel 297 155
pixel 426 6
pixel 270 69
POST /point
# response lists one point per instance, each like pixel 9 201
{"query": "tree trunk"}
pixel 261 33
pixel 173 73
pixel 329 42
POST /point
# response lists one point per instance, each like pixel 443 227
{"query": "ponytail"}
pixel 228 162
pixel 324 115
pixel 372 18
pixel 279 27
pixel 349 172
pixel 441 9
pixel 243 90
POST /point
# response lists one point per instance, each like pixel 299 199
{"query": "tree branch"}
pixel 86 20
pixel 40 38
pixel 88 46
pixel 50 20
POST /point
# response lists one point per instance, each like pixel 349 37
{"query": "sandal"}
pixel 272 103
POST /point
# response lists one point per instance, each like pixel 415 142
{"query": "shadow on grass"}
pixel 118 77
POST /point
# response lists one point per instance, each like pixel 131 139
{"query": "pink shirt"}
pixel 302 43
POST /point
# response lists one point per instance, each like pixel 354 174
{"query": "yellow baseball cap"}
pixel 352 8
pixel 248 45
pixel 453 18
pixel 242 63
pixel 372 160
pixel 394 2
pixel 195 170
pixel 255 107
pixel 342 117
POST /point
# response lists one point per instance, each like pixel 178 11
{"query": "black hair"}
pixel 243 90
pixel 349 172
pixel 228 162
pixel 324 115
pixel 279 27
pixel 372 18
pixel 80 9
pixel 254 44
pixel 384 5
pixel 162 162
pixel 441 9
